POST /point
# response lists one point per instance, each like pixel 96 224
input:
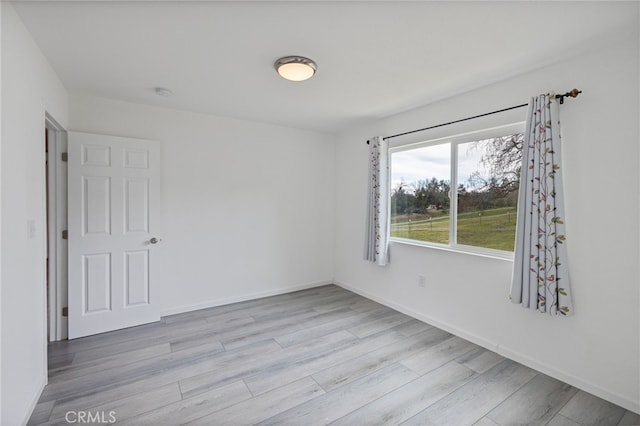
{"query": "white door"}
pixel 113 225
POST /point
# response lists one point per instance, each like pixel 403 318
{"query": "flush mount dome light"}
pixel 295 68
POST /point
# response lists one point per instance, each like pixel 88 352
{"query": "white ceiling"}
pixel 375 59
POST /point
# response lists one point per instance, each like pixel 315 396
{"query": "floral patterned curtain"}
pixel 377 234
pixel 541 274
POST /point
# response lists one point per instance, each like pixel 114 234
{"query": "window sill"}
pixel 469 250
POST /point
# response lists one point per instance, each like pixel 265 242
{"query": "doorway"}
pixel 56 223
pixel 108 287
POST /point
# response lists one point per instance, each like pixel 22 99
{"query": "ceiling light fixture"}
pixel 161 91
pixel 295 68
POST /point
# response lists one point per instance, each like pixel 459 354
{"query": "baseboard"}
pixel 251 296
pixel 34 401
pixel 504 351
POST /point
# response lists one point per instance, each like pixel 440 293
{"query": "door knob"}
pixel 154 240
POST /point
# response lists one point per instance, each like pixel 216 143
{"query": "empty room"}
pixel 320 212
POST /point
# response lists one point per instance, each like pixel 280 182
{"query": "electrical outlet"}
pixel 422 281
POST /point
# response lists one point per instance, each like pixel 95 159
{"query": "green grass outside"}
pixel 493 228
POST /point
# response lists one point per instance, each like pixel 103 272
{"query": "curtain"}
pixel 377 233
pixel 540 276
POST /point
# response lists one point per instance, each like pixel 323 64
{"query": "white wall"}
pixel 0 211
pixel 29 87
pixel 598 348
pixel 247 208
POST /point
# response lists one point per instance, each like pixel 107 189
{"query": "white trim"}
pixel 453 196
pixel 50 182
pixel 458 248
pixel 251 296
pixel 57 213
pixel 491 132
pixel 504 351
pixel 34 400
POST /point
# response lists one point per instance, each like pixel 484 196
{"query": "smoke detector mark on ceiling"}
pixel 164 92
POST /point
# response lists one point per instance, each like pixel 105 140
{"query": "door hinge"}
pixel 65 311
pixel 64 157
pixel 65 234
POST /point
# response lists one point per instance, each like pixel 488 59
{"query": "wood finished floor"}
pixel 313 357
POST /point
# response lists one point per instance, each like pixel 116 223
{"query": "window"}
pixel 460 192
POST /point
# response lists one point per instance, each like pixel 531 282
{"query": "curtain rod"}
pixel 571 94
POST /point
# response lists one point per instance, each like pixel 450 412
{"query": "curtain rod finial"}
pixel 574 93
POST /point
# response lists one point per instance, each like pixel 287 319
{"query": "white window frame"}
pixel 454 141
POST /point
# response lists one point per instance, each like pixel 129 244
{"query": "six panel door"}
pixel 114 231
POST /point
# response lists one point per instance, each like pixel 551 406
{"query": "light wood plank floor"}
pixel 313 357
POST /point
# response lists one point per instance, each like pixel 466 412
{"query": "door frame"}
pixel 56 223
